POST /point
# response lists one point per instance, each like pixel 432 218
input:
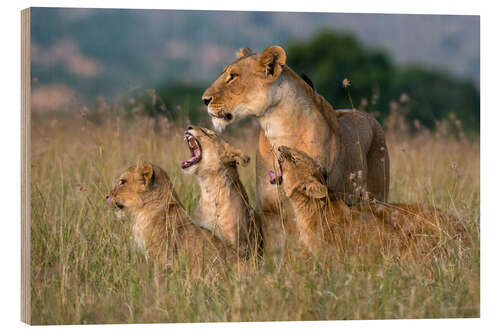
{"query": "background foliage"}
pixel 430 63
pixel 428 96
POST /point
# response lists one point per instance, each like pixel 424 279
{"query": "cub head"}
pixel 247 87
pixel 209 153
pixel 132 187
pixel 301 175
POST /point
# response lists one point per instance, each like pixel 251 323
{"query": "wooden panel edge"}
pixel 25 167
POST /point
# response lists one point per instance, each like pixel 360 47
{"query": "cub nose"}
pixel 207 100
pixel 189 127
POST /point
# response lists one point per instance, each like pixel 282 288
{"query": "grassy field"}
pixel 85 267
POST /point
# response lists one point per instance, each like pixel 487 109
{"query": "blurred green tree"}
pixel 184 100
pixel 329 57
pixel 434 95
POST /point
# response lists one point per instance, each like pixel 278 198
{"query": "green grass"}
pixel 85 267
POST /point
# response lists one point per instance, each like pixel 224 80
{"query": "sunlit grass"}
pixel 86 268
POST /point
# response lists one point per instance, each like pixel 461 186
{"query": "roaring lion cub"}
pixel 292 113
pixel 161 225
pixel 223 206
pixel 323 219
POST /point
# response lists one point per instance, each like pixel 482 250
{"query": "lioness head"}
pixel 301 175
pixel 132 187
pixel 245 87
pixel 209 153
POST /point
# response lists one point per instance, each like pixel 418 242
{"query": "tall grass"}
pixel 86 268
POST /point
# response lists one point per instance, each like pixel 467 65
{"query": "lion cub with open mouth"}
pixel 326 223
pixel 161 224
pixel 223 207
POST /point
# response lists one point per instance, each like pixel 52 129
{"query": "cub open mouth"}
pixel 194 149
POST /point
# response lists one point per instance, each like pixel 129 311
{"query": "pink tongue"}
pixel 186 162
pixel 273 178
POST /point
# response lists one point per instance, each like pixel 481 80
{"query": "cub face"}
pixel 127 194
pixel 245 87
pixel 301 175
pixel 209 153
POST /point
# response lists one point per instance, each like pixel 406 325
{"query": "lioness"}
pixel 322 219
pixel 223 206
pixel 291 113
pixel 161 225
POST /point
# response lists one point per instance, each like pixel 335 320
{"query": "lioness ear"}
pixel 273 59
pixel 147 172
pixel 314 189
pixel 243 52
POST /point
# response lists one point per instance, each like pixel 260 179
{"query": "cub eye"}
pixel 121 181
pixel 232 76
pixel 207 132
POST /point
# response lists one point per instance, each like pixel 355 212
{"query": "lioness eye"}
pixel 122 181
pixel 231 77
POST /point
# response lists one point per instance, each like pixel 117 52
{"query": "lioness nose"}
pixel 207 100
pixel 189 127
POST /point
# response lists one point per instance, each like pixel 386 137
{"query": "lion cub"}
pixel 223 206
pixel 323 220
pixel 161 224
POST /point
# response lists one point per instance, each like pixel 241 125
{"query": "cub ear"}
pixel 273 59
pixel 314 189
pixel 235 155
pixel 242 159
pixel 147 172
pixel 243 52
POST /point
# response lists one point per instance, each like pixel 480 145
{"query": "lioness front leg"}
pixel 274 206
pixel 277 218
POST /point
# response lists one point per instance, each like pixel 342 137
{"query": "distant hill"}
pixel 108 52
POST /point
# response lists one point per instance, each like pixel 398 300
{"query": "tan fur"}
pixel 291 113
pixel 224 207
pixel 161 224
pixel 323 220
